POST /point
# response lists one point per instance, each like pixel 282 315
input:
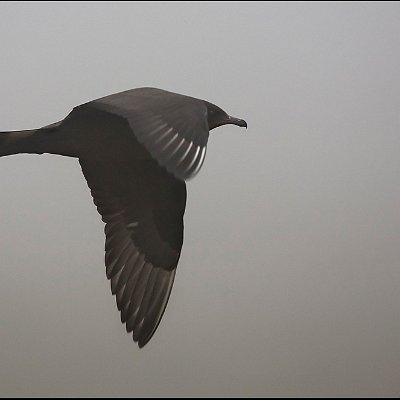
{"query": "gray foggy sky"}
pixel 289 280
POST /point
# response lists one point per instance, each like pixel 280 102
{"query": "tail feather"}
pixel 36 141
pixel 15 142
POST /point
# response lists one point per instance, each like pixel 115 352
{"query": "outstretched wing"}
pixel 142 206
pixel 172 127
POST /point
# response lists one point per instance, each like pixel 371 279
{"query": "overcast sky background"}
pixel 289 279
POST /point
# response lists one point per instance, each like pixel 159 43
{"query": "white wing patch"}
pixel 169 142
pixel 177 147
pixel 185 154
pixel 173 150
pixel 163 135
pixel 193 160
pixel 200 163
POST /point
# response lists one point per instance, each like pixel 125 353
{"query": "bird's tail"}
pixel 26 141
pixel 15 142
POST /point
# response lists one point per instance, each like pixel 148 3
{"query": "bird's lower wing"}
pixel 143 209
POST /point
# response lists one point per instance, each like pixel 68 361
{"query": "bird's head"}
pixel 217 117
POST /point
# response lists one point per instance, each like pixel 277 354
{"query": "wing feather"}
pixel 143 210
pixel 161 121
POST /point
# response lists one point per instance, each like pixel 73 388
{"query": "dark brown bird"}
pixel 136 149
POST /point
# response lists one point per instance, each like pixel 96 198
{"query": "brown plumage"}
pixel 136 149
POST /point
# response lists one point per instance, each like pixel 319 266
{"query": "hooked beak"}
pixel 237 121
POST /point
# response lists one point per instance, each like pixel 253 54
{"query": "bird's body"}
pixel 136 149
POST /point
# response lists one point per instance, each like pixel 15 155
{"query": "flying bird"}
pixel 136 149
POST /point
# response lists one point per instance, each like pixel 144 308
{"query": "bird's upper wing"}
pixel 172 127
pixel 142 206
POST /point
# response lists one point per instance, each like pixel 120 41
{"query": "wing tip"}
pixel 142 337
pixel 142 342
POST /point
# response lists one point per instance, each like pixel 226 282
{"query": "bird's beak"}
pixel 237 121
